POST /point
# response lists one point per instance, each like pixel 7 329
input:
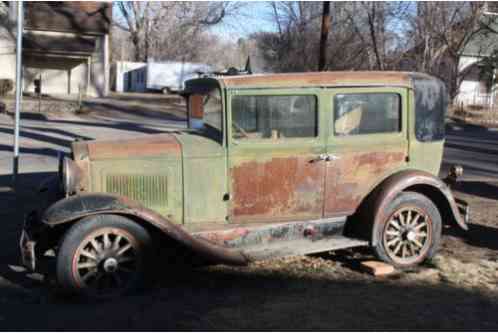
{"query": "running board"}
pixel 283 239
pixel 301 247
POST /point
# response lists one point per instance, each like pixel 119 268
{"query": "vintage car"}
pixel 270 165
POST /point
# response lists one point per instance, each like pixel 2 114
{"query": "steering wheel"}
pixel 240 129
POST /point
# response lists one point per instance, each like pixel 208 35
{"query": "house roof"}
pixel 313 79
pixel 58 44
pixel 69 16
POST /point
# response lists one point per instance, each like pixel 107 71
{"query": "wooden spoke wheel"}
pixel 411 232
pixel 102 256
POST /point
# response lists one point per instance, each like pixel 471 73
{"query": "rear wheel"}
pixel 102 255
pixel 411 233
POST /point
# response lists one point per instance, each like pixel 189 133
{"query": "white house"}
pixel 65 46
pixel 474 89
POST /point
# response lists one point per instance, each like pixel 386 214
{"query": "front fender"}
pixel 79 206
pixel 417 181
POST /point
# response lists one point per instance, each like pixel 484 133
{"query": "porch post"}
pixel 88 74
pixel 20 18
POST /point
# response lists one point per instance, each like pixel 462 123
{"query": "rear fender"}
pixel 76 207
pixel 416 181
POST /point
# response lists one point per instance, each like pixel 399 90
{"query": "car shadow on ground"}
pixel 487 190
pixel 478 235
pixel 459 125
pixel 230 299
pixel 226 299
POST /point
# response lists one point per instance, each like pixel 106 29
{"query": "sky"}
pixel 251 18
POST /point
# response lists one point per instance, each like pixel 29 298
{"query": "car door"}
pixel 367 142
pixel 274 141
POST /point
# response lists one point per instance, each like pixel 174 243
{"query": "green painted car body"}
pixel 266 155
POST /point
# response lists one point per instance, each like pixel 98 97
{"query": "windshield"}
pixel 205 113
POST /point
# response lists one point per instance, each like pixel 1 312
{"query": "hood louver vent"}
pixel 150 190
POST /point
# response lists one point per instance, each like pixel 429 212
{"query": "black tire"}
pixel 407 246
pixel 90 262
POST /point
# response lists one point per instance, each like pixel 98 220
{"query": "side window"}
pixel 367 113
pixel 274 117
pixel 205 113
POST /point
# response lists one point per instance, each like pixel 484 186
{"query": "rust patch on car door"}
pixel 351 177
pixel 277 188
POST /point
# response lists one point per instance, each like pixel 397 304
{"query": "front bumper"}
pixel 27 246
pixel 27 242
pixel 463 209
pixel 33 233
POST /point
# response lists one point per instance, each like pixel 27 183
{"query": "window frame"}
pixel 315 92
pixel 367 137
pixel 201 90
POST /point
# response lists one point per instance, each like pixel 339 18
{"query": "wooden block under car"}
pixel 377 268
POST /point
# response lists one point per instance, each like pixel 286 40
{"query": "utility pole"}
pixel 322 62
pixel 20 19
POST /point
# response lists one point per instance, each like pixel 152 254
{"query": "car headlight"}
pixel 70 175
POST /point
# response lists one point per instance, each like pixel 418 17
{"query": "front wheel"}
pixel 411 233
pixel 102 255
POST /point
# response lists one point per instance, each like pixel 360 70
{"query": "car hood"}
pixel 143 146
pixel 179 144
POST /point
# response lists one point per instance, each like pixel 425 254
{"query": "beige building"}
pixel 65 45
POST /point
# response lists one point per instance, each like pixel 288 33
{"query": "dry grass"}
pixel 474 114
pixel 481 274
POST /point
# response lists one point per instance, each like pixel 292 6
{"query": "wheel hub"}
pixel 110 265
pixel 407 234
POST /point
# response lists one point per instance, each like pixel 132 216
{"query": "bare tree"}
pixel 324 36
pixel 442 31
pixel 154 25
pixel 296 41
pixel 7 26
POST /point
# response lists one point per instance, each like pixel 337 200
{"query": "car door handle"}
pixel 326 158
pixel 332 157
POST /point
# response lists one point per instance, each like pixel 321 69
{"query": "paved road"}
pixel 473 147
pixel 113 118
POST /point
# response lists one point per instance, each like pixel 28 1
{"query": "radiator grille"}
pixel 150 190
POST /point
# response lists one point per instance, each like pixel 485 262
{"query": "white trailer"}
pixel 171 75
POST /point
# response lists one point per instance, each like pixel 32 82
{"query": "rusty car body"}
pixel 271 165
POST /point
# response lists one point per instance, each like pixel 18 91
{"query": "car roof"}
pixel 314 79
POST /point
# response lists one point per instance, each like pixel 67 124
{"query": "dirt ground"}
pixel 457 290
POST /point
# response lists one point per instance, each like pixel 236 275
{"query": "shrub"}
pixel 6 85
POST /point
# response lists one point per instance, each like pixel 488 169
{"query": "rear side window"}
pixel 274 117
pixel 431 102
pixel 367 113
